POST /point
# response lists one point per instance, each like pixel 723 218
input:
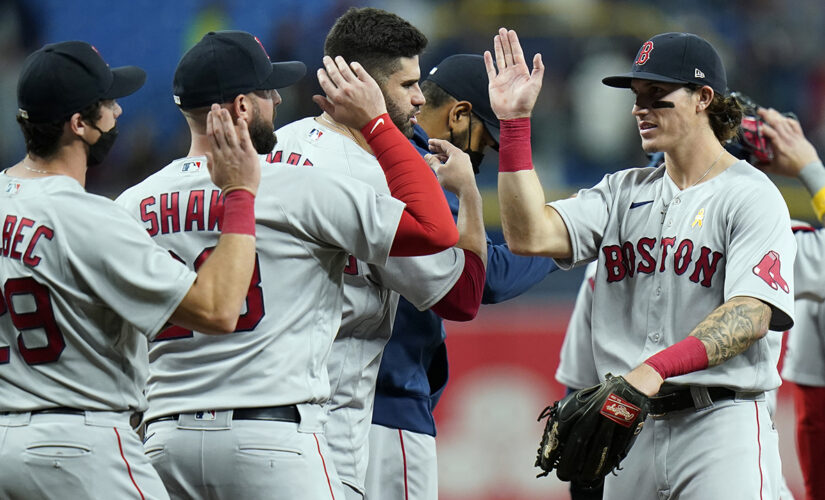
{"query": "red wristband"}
pixel 686 356
pixel 238 213
pixel 514 151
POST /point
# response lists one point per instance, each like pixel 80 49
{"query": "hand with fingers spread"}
pixel 792 151
pixel 232 161
pixel 353 98
pixel 513 87
pixel 452 167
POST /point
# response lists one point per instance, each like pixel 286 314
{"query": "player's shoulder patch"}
pixel 12 188
pixel 192 165
pixel 314 134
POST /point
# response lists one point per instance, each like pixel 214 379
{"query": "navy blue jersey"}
pixel 414 368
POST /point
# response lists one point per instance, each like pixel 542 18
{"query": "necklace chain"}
pixel 709 169
pixel 35 169
pixel 338 127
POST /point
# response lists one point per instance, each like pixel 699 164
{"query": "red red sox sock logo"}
pixel 769 270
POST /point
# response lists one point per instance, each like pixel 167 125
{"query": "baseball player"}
pixel 413 374
pixel 694 267
pixel 243 417
pixel 804 363
pixel 577 368
pixel 450 282
pixel 83 286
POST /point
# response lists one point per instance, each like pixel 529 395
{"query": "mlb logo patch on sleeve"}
pixel 12 187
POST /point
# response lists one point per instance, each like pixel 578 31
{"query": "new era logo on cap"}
pixel 698 73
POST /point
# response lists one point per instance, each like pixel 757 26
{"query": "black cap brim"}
pixel 285 74
pixel 127 80
pixel 623 81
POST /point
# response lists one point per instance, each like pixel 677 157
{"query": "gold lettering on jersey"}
pixel 699 218
pixel 18 234
pixel 167 213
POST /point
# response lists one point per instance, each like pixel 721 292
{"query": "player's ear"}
pixel 458 112
pixel 76 125
pixel 705 97
pixel 241 107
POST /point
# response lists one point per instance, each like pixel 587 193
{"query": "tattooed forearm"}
pixel 732 328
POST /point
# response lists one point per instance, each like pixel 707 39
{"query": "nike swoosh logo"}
pixel 637 204
pixel 379 122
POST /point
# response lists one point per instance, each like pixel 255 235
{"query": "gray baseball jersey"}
pixel 805 350
pixel 370 297
pixel 668 257
pixel 577 368
pixel 308 222
pixel 83 287
pixel 78 304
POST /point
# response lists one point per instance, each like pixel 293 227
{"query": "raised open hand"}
pixel 513 87
pixel 232 160
pixel 353 98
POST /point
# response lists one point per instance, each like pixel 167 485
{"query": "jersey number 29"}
pixel 41 317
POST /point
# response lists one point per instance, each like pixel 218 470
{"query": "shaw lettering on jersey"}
pixel 291 158
pixel 621 261
pixel 163 213
pixel 15 231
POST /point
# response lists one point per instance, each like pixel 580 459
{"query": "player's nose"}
pixel 276 97
pixel 417 97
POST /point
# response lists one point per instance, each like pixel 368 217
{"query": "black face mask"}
pixel 476 157
pixel 99 150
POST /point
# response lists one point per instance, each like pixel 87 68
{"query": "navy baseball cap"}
pixel 464 76
pixel 61 79
pixel 224 64
pixel 676 58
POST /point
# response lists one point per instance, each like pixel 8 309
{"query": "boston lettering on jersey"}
pixel 163 213
pixel 16 230
pixel 621 261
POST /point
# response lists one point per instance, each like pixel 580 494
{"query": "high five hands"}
pixel 513 87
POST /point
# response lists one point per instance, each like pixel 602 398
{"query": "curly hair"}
pixel 43 139
pixel 724 114
pixel 374 38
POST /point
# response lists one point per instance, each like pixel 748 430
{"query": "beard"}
pixel 401 119
pixel 262 133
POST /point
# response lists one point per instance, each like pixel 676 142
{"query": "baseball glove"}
pixel 591 430
pixel 751 144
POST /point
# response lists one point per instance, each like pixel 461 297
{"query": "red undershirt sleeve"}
pixel 462 301
pixel 426 225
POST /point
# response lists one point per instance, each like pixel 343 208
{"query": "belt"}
pixel 287 413
pixel 134 419
pixel 61 410
pixel 683 399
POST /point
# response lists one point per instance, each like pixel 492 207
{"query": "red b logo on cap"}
pixel 262 46
pixel 644 53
